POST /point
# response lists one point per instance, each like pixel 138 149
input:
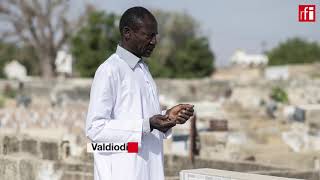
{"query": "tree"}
pixel 181 52
pixel 41 25
pixel 294 51
pixel 95 42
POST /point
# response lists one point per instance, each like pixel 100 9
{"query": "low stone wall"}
pixel 301 91
pixel 42 149
pixel 26 167
pixel 79 89
pixel 26 158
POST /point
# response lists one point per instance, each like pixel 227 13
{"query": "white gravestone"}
pixel 63 63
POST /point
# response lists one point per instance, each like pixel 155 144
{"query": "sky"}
pixel 251 25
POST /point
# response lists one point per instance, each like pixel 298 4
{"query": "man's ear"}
pixel 126 32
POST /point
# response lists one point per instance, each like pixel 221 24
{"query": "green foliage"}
pixel 180 52
pixel 95 42
pixel 279 95
pixel 27 57
pixel 191 60
pixel 295 51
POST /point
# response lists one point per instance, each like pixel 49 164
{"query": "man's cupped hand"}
pixel 180 113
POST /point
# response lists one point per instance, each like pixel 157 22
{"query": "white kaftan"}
pixel 122 99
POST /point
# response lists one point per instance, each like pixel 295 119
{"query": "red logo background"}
pixel 307 13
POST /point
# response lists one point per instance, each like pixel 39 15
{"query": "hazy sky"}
pixel 232 24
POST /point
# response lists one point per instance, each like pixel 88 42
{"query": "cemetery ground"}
pixel 237 129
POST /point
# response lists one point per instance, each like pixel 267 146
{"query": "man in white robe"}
pixel 124 105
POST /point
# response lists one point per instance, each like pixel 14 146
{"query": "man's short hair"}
pixel 133 17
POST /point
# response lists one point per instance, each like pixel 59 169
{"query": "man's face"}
pixel 144 38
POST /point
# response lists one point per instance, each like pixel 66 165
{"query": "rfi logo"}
pixel 307 13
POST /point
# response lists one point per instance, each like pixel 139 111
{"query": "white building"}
pixel 240 57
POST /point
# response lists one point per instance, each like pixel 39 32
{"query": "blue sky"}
pixel 232 24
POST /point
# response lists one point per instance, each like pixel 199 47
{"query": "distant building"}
pixel 241 58
pixel 15 70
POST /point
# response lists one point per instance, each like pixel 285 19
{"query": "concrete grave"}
pixel 214 174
